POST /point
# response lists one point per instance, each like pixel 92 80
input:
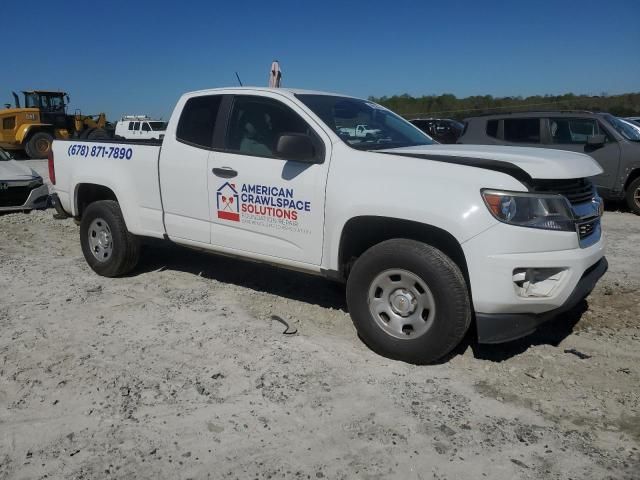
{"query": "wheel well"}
pixel 87 193
pixel 32 131
pixel 362 233
pixel 632 176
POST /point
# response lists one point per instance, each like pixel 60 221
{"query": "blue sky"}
pixel 138 56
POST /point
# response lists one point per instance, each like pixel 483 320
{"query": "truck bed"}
pixel 128 168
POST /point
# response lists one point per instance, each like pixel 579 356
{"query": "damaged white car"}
pixel 21 188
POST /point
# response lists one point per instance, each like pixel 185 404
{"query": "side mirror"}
pixel 596 140
pixel 296 146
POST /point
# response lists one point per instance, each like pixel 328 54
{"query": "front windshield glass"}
pixel 4 155
pixel 364 125
pixel 625 129
pixel 158 126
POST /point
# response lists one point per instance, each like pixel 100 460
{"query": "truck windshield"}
pixel 364 125
pixel 4 155
pixel 158 126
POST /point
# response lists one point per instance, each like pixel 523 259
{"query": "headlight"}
pixel 549 212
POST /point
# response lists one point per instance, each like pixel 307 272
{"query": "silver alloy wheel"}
pixel 401 304
pixel 100 240
pixel 636 196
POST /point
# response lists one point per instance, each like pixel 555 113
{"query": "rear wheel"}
pixel 108 247
pixel 632 196
pixel 39 145
pixel 408 301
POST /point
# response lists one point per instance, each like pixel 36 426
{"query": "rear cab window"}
pixel 198 120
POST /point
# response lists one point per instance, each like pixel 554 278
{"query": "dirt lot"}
pixel 178 371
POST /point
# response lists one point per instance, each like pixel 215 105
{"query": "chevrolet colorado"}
pixel 428 238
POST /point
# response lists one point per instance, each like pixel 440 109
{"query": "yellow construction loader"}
pixel 43 118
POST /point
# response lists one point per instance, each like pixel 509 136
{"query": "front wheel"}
pixel 108 247
pixel 408 301
pixel 632 196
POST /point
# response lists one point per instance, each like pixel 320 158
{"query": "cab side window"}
pixel 257 122
pixel 567 131
pixel 522 130
pixel 492 128
pixel 145 127
pixel 198 120
pixel 136 126
pixel 130 126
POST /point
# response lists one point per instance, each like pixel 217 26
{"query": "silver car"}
pixel 21 188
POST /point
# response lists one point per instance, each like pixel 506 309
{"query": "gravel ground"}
pixel 178 371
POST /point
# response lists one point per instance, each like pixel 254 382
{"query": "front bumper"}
pixel 38 199
pixel 503 327
pixel 505 310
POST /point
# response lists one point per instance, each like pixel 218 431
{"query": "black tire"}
pixel 98 134
pixel 39 145
pixel 445 282
pixel 125 247
pixel 632 196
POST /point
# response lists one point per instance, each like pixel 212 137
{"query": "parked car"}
pixel 635 120
pixel 443 130
pixel 613 143
pixel 427 237
pixel 140 127
pixel 21 188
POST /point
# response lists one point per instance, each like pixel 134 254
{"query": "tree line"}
pixel 449 106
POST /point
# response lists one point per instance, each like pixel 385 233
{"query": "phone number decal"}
pixel 78 150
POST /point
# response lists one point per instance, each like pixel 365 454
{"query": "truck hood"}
pixel 10 170
pixel 537 163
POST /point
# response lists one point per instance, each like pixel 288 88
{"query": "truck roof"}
pixel 44 91
pixel 290 92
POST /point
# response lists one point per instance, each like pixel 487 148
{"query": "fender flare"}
pixel 23 132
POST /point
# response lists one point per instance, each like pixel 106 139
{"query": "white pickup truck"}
pixel 359 131
pixel 428 238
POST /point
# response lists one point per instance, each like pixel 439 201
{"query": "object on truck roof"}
pixel 135 117
pixel 275 75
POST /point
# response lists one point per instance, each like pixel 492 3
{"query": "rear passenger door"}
pixel 571 134
pixel 183 169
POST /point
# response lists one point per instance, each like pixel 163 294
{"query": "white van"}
pixel 140 127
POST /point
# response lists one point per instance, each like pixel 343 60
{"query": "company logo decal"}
pixel 262 205
pixel 228 203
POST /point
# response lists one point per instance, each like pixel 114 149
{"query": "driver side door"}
pixel 261 203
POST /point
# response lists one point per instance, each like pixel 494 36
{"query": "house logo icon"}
pixel 228 203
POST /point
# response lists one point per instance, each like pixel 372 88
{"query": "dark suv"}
pixel 442 130
pixel 614 144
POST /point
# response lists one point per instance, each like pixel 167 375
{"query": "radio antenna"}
pixel 238 77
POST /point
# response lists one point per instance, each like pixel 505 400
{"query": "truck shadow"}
pixel 255 276
pixel 551 333
pixel 319 291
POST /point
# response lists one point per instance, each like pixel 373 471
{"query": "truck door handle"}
pixel 225 172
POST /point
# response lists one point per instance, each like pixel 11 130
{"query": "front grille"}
pixel 577 190
pixel 14 196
